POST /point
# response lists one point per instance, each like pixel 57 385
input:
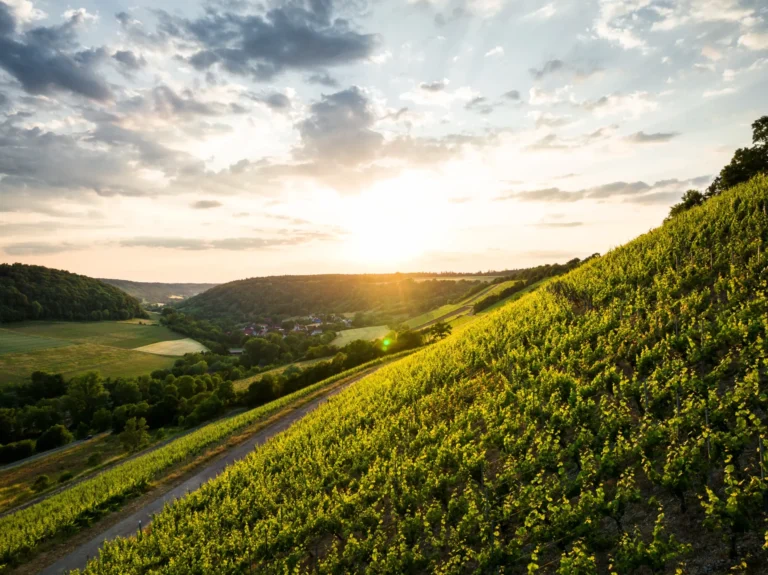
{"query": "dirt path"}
pixel 78 558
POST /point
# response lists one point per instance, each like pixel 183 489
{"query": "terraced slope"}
pixel 611 422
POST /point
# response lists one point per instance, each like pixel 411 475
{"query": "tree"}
pixel 135 435
pixel 126 391
pixel 85 396
pixel 439 330
pixel 260 351
pixel 746 162
pixel 226 392
pixel 102 420
pixel 54 436
pixel 260 391
pixel 690 199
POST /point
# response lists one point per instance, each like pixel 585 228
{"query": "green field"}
pixel 72 348
pixel 12 342
pixel 112 333
pixel 458 278
pixel 79 358
pixel 367 333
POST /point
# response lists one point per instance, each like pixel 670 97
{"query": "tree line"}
pixel 36 292
pixel 745 164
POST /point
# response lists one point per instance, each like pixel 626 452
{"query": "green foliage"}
pixel 135 434
pixel 41 482
pixel 55 436
pixel 540 438
pixel 36 292
pixel 27 528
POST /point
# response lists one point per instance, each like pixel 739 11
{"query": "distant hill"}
pixel 37 292
pixel 613 421
pixel 154 292
pixel 387 294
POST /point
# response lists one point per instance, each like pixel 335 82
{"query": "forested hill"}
pixel 256 298
pixel 36 292
pixel 154 292
pixel 613 421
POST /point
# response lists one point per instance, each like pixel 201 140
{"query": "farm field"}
pixel 12 342
pixel 367 333
pixel 76 359
pixel 114 348
pixel 112 333
pixel 175 347
pixel 458 278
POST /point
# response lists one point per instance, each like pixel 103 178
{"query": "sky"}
pixel 216 140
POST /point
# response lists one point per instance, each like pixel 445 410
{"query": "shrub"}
pixel 16 451
pixel 55 436
pixel 41 482
pixel 95 459
pixel 66 476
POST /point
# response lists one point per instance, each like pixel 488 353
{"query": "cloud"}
pixel 206 204
pixel 322 79
pixel 632 105
pixel 47 59
pixel 338 129
pixel 497 51
pixel 436 86
pixel 547 120
pixel 754 41
pixel 538 97
pixel 549 67
pixel 480 105
pixel 438 94
pixel 287 238
pixel 275 101
pixel 40 248
pixel 559 224
pixel 513 95
pixel 720 92
pixel 657 137
pixel 544 13
pixel 287 36
pixel 661 192
pixel 128 61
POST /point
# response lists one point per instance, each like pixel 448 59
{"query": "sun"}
pixel 392 223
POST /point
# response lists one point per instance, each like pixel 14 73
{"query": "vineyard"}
pixel 613 421
pixel 64 512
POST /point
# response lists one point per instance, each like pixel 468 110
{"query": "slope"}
pixel 36 292
pixel 610 422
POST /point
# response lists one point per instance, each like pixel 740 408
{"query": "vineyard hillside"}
pixel 612 421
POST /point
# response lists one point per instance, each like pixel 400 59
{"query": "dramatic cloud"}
pixel 274 101
pixel 128 60
pixel 338 129
pixel 662 192
pixel 48 59
pixel 290 36
pixel 643 138
pixel 206 204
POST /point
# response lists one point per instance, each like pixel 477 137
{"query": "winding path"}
pixel 78 558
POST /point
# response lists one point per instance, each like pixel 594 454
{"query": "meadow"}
pixel 366 333
pixel 72 348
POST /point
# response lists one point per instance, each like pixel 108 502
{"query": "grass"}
pixel 367 333
pixel 176 347
pixel 431 315
pixel 241 384
pixel 11 342
pixel 112 333
pixel 458 278
pixel 513 297
pixel 76 359
pixel 15 483
pixel 72 348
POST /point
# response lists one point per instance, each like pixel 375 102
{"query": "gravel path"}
pixel 129 526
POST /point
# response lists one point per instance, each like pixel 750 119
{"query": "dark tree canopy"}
pixel 37 292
